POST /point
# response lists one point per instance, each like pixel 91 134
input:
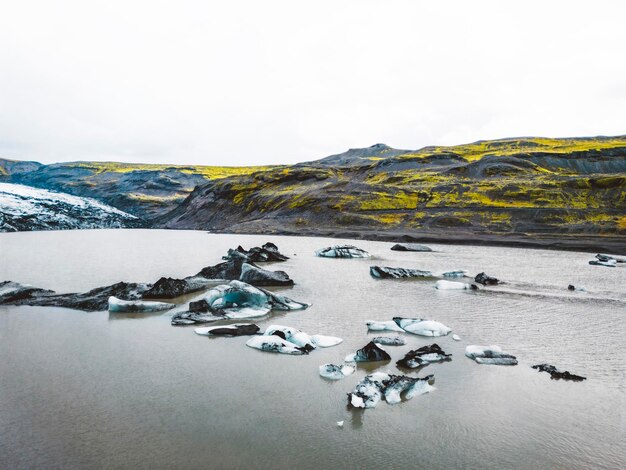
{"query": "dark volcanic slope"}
pixel 560 188
pixel 145 191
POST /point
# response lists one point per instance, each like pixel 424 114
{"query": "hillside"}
pixel 537 188
pixel 144 190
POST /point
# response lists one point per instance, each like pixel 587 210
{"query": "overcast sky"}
pixel 256 82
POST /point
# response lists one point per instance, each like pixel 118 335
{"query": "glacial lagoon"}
pixel 112 390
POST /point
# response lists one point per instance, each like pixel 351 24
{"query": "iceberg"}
pixel 275 344
pixel 323 341
pixel 610 263
pixel 342 251
pixel 335 372
pixel 127 306
pixel 389 340
pixel 235 300
pixel 410 247
pixel 383 326
pixel 293 335
pixel 455 273
pixel 371 352
pixel 490 355
pixel 453 285
pixel 418 326
pixel 369 392
pixel 423 356
pixel 384 272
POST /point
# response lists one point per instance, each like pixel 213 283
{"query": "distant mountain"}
pixel 358 157
pixel 15 167
pixel 25 208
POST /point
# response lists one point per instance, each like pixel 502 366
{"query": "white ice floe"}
pixel 369 392
pixel 490 355
pixel 389 340
pixel 383 326
pixel 455 273
pixel 342 251
pixel 452 285
pixel 418 326
pixel 336 372
pixel 126 306
pixel 301 338
pixel 275 344
pixel 456 337
pixel 323 341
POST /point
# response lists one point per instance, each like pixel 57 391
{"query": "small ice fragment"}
pixel 456 337
pixel 340 424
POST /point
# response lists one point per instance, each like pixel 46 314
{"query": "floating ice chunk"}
pixel 323 341
pixel 236 329
pixel 293 335
pixel 417 326
pixel 423 356
pixel 389 340
pixel 336 372
pixel 369 392
pixel 385 272
pixel 118 306
pixel 383 326
pixel 609 263
pixel 455 273
pixel 342 251
pixel 456 337
pixel 275 344
pixel 410 247
pixel 421 387
pixel 371 352
pixel 490 355
pixel 340 424
pixel 235 300
pixel 452 285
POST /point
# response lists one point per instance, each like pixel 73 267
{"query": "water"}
pixel 110 391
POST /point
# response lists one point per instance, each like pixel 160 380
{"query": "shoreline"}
pixel 614 245
pixel 583 243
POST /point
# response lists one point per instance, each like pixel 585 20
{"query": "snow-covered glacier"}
pixel 25 208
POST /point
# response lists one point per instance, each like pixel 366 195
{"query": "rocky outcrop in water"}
pixel 557 374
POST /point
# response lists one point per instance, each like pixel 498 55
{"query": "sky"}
pixel 263 82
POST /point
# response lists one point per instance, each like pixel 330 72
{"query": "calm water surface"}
pixel 111 391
